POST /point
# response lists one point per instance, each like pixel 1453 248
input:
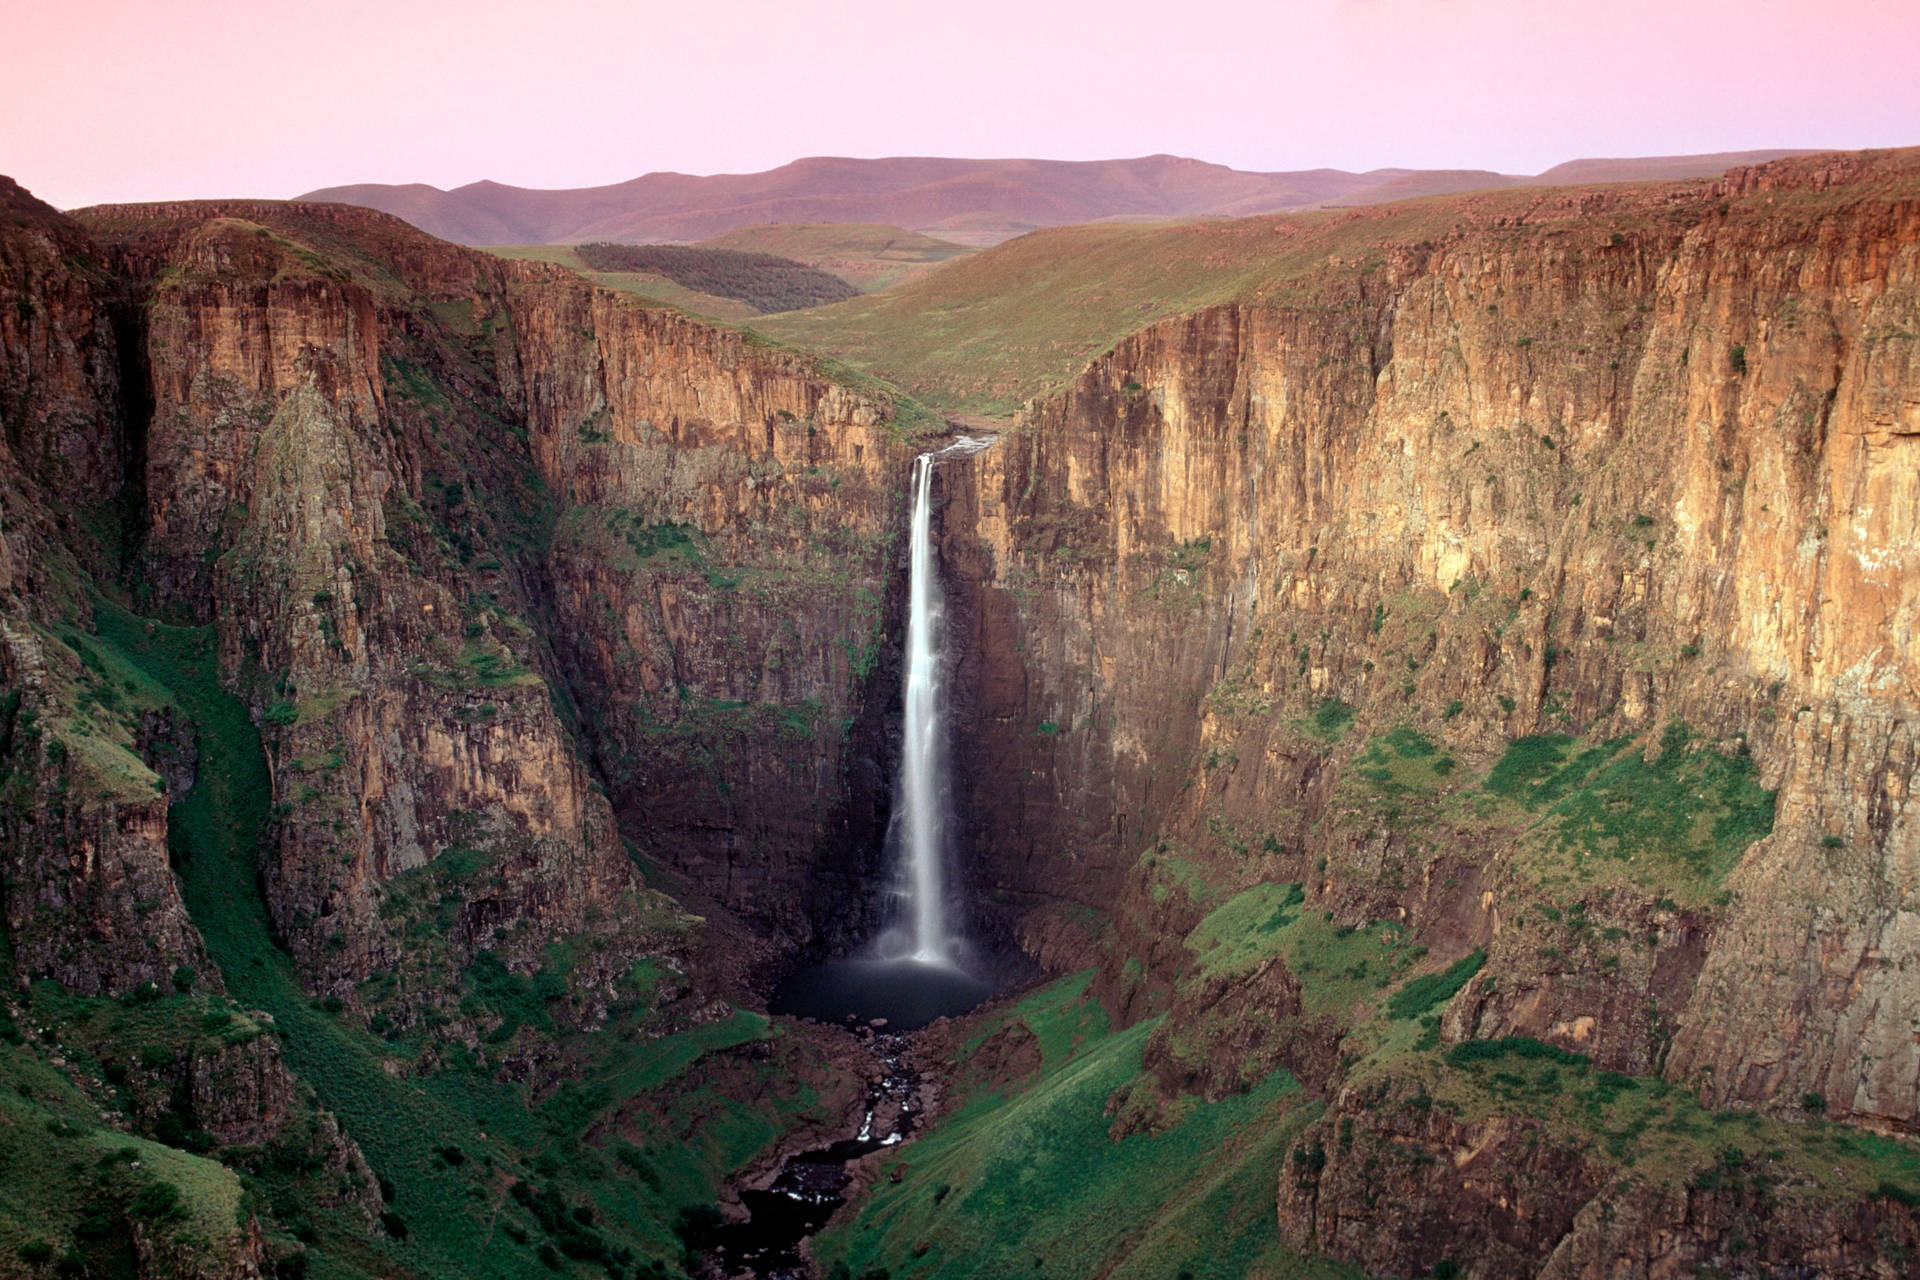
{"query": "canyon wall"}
pixel 1637 469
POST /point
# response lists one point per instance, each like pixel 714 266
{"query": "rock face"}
pixel 1636 467
pixel 85 888
pixel 721 577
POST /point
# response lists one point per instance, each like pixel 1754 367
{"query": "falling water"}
pixel 921 816
pixel 920 968
pixel 921 755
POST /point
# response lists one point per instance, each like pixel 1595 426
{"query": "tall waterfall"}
pixel 920 814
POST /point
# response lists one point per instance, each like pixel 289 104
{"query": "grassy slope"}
pixel 1031 1184
pixel 460 1220
pixel 59 1167
pixel 987 332
pixel 870 255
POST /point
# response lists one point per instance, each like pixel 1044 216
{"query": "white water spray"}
pixel 920 817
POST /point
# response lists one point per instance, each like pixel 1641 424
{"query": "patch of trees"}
pixel 761 280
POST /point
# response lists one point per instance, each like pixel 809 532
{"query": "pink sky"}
pixel 146 99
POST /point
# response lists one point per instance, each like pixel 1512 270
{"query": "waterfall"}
pixel 920 813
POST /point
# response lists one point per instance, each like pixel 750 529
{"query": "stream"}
pixel 811 1185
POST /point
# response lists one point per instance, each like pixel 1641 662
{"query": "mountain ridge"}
pixel 978 201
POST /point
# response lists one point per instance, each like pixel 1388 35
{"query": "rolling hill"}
pixel 975 202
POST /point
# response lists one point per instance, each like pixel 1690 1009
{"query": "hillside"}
pixel 986 333
pixel 764 281
pixel 870 256
pixel 645 285
pixel 974 202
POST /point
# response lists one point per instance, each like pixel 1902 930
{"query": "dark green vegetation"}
pixel 1031 1183
pixel 869 255
pixel 475 1175
pixel 1431 990
pixel 762 281
pixel 1678 815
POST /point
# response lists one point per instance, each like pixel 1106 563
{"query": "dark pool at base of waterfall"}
pixel 907 993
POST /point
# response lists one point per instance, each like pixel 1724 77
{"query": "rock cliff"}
pixel 1544 588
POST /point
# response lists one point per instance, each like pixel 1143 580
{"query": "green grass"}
pixel 1061 1016
pixel 1032 1185
pixel 1678 822
pixel 1338 966
pixel 72 1185
pixel 1659 1131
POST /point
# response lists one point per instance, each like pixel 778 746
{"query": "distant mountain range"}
pixel 979 202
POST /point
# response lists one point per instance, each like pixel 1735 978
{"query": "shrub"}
pixel 1432 989
pixel 1331 718
pixel 157 1202
pixel 1468 1052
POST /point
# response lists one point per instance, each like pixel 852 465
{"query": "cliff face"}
pixel 720 578
pixel 307 571
pixel 85 887
pixel 445 512
pixel 1270 593
pixel 300 419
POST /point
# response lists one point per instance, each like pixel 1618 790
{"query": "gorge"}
pixel 1429 702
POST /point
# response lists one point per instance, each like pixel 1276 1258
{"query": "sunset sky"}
pixel 122 100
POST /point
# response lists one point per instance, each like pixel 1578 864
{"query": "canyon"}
pixel 1432 731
